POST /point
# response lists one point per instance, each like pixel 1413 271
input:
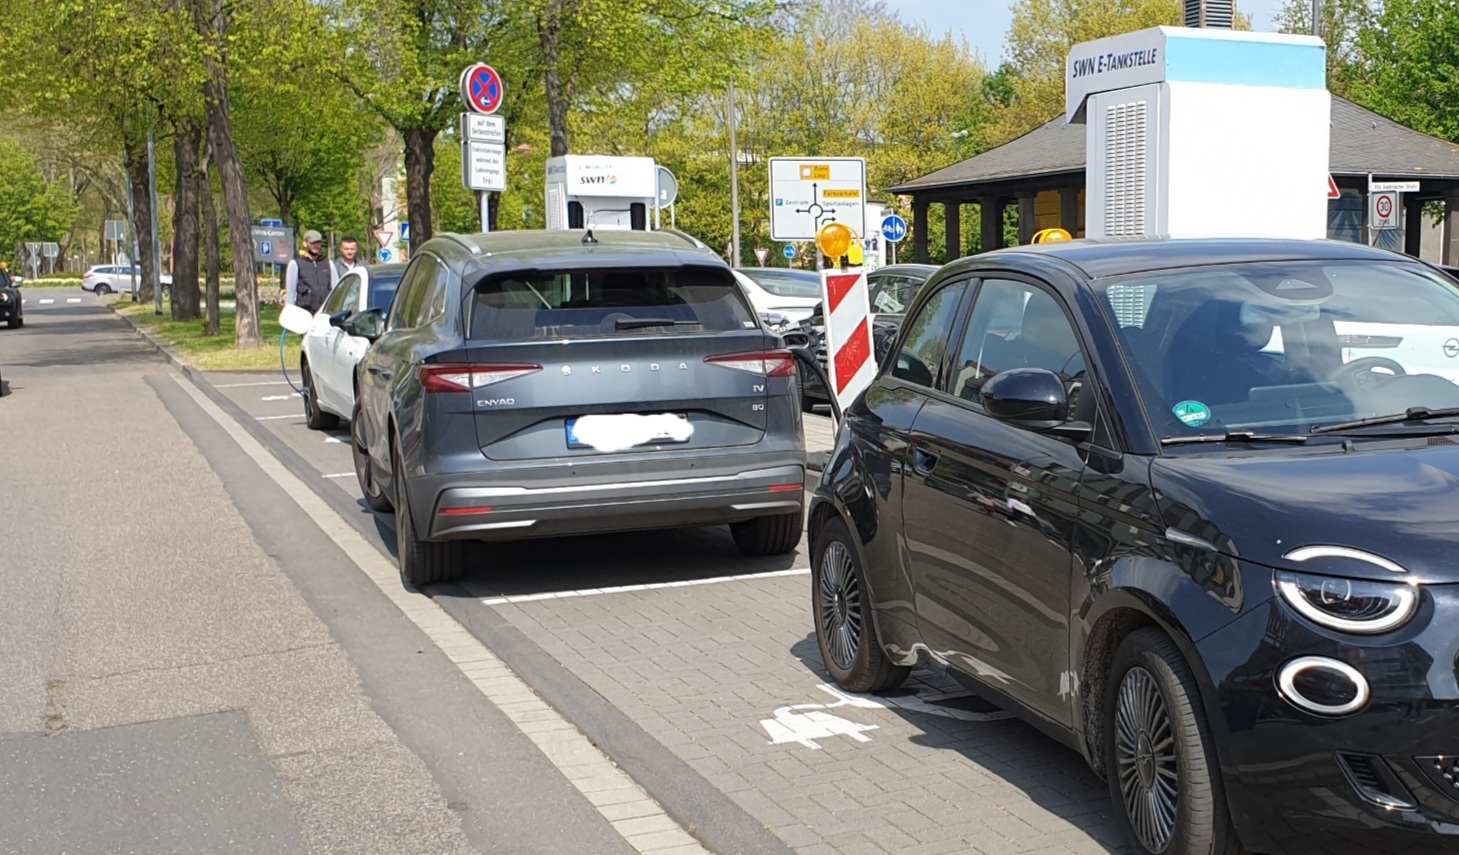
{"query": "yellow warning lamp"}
pixel 834 240
pixel 856 256
pixel 1051 236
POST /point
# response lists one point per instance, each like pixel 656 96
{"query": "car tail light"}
pixel 464 378
pixel 770 363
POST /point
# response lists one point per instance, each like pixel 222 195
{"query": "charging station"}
pixel 599 192
pixel 1203 132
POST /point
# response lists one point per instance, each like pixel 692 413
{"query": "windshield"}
pixel 1283 347
pixel 382 290
pixel 585 303
pixel 786 283
pixel 893 294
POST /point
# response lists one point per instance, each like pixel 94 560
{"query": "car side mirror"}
pixel 367 325
pixel 296 319
pixel 1033 398
pixel 338 318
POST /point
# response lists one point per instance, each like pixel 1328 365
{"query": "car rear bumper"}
pixel 517 505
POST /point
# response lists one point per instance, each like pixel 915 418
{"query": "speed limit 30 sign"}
pixel 1383 211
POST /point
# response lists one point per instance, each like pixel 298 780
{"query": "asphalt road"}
pixel 694 669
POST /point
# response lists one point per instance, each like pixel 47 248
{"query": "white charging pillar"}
pixel 1203 133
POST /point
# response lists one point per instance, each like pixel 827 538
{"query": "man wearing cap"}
pixel 309 278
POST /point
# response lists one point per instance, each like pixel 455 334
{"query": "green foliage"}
pixel 1407 67
pixel 31 209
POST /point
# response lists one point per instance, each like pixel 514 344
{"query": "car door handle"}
pixel 923 460
pixel 377 370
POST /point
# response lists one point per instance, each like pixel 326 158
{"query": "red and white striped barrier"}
pixel 849 361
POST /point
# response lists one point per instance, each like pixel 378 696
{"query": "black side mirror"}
pixel 338 319
pixel 367 325
pixel 1032 398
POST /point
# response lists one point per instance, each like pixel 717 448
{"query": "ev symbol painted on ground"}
pixel 803 724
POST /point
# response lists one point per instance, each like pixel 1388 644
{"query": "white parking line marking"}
pixel 333 439
pixel 47 301
pixel 241 385
pixel 625 589
pixel 280 397
pixel 271 418
pixel 575 757
pixel 73 299
pixel 340 475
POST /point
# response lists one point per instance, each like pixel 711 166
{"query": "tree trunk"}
pixel 212 244
pixel 135 155
pixel 185 296
pixel 211 20
pixel 420 161
pixel 557 95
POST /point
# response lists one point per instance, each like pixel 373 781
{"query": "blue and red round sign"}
pixel 481 88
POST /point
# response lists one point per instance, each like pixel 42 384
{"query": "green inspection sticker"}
pixel 1192 413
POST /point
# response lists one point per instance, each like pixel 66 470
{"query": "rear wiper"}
pixel 1236 436
pixel 641 323
pixel 1412 414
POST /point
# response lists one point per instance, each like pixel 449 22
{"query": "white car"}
pixel 327 363
pixel 793 294
pixel 117 278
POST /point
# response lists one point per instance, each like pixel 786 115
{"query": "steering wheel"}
pixel 1359 372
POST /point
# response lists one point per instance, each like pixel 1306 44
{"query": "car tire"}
pixel 102 290
pixel 314 417
pixel 422 562
pixel 375 498
pixel 15 322
pixel 1158 754
pixel 850 646
pixel 775 535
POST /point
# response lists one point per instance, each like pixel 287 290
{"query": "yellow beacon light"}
pixel 1051 236
pixel 834 239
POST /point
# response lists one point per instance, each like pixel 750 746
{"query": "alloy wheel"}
pixel 840 605
pixel 1149 774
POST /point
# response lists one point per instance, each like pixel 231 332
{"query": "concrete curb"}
pixel 708 814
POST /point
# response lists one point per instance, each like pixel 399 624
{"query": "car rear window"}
pixel 786 283
pixel 622 302
pixel 382 290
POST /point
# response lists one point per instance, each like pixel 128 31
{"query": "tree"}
pixel 31 208
pixel 406 69
pixel 1340 24
pixel 1408 66
pixel 211 18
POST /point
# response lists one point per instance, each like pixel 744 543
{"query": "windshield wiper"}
pixel 1412 414
pixel 641 323
pixel 1236 436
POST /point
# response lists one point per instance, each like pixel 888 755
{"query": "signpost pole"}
pixel 485 211
pixel 734 180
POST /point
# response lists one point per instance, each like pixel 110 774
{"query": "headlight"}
pixel 1350 605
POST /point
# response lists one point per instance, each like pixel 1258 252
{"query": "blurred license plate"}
pixel 675 433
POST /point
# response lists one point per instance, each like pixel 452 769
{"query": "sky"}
pixel 984 23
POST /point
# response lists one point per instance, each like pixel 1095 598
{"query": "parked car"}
pixel 12 307
pixel 536 384
pixel 1141 494
pixel 329 354
pixel 889 291
pixel 780 290
pixel 117 278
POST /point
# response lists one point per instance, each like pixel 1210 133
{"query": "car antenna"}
pixel 588 238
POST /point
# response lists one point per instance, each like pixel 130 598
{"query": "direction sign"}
pixel 1384 213
pixel 807 193
pixel 386 256
pixel 481 88
pixel 482 128
pixel 1392 186
pixel 668 187
pixel 762 255
pixel 50 250
pixel 116 229
pixel 789 251
pixel 894 228
pixel 270 222
pixel 484 166
pixel 383 237
pixel 272 244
